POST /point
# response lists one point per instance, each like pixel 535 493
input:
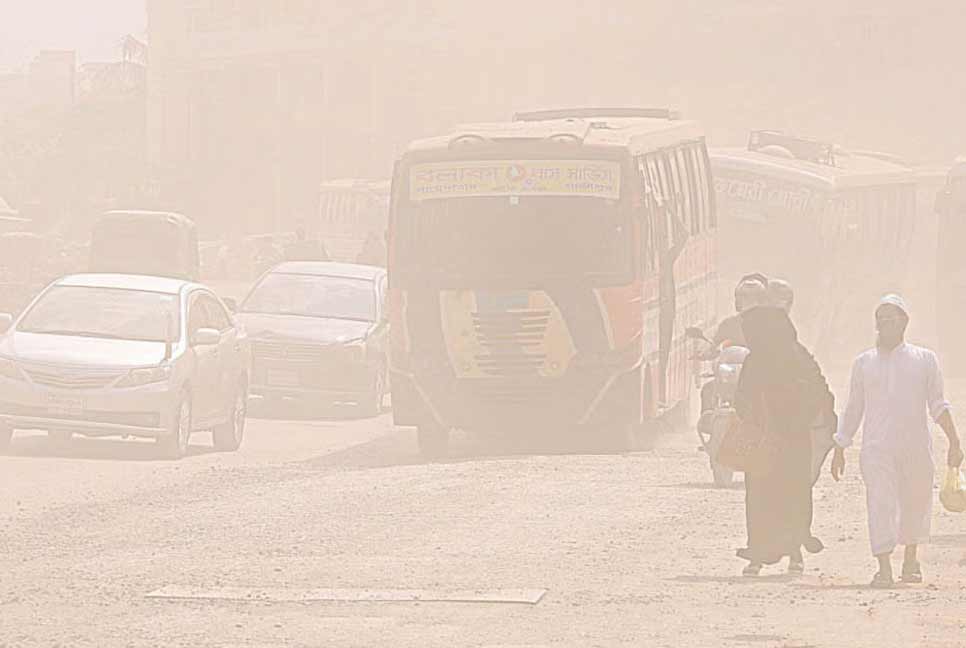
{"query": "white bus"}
pixel 350 211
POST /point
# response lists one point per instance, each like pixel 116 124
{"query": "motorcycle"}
pixel 715 419
pixel 718 414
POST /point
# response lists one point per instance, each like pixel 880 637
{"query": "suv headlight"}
pixel 9 369
pixel 145 376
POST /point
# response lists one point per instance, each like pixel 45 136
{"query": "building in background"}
pixel 51 79
pixel 253 104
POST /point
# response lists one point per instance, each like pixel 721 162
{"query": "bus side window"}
pixel 646 220
pixel 698 181
pixel 702 180
pixel 689 191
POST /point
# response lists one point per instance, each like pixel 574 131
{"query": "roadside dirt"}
pixel 635 550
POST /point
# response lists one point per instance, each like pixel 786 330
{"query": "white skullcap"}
pixel 894 300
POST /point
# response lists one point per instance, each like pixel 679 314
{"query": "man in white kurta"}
pixel 894 387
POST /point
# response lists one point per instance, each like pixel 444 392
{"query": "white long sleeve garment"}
pixel 893 391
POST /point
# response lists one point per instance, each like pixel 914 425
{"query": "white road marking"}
pixel 286 595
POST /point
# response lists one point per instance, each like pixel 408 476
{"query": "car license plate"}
pixel 282 378
pixel 70 406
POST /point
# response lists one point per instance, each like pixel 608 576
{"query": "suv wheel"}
pixel 175 444
pixel 228 436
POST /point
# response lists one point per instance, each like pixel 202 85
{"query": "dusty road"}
pixel 634 550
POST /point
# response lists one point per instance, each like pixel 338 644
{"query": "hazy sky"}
pixel 92 27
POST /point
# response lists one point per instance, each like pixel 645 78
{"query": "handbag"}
pixel 748 446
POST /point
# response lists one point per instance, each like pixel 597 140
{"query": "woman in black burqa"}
pixel 781 385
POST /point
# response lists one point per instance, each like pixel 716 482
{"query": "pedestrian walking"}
pixel 894 385
pixel 782 389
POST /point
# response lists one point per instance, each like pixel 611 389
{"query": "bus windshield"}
pixel 526 237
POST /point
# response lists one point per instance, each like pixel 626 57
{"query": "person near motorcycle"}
pixel 781 387
pixel 751 291
pixel 781 295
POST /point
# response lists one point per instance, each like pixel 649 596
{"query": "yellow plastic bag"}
pixel 953 493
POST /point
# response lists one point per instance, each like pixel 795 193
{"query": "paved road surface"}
pixel 634 550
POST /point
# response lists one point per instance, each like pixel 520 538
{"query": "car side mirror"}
pixel 231 303
pixel 6 321
pixel 205 337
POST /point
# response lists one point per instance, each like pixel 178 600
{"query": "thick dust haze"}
pixel 482 324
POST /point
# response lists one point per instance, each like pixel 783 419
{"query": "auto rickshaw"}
pixel 23 270
pixel 160 244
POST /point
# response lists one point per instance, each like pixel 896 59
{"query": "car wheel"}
pixel 175 444
pixel 433 440
pixel 228 436
pixel 6 433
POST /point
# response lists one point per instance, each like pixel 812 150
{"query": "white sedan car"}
pixel 125 355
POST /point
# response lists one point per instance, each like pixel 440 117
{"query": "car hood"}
pixel 70 350
pixel 308 329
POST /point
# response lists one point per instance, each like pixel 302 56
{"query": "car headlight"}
pixel 145 376
pixel 9 369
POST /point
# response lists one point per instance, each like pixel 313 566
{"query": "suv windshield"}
pixel 110 313
pixel 313 296
pixel 527 237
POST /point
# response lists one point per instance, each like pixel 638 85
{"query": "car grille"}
pixel 289 352
pixel 311 366
pixel 512 341
pixel 70 378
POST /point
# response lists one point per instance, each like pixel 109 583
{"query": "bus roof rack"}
pixel 591 113
pixel 800 148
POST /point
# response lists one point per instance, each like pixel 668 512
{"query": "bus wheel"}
pixel 614 438
pixel 433 440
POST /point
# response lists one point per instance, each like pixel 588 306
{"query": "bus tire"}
pixel 433 441
pixel 614 438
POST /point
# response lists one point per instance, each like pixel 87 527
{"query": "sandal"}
pixel 882 581
pixel 796 567
pixel 813 545
pixel 752 570
pixel 911 573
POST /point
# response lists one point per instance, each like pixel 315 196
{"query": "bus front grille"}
pixel 512 341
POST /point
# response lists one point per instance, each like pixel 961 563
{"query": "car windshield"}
pixel 313 296
pixel 110 313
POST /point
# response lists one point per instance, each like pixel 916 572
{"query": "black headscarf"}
pixel 771 336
